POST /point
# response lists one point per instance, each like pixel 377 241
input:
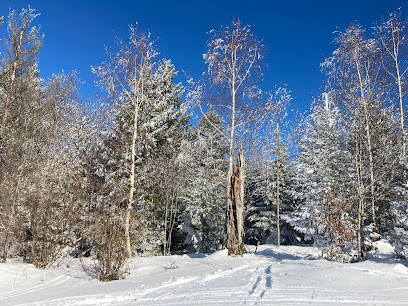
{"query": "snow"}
pixel 289 275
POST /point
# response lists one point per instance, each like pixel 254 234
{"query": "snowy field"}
pixel 289 275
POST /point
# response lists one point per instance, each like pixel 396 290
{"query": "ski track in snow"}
pixel 57 281
pixel 271 276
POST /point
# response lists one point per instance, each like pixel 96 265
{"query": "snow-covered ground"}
pixel 289 275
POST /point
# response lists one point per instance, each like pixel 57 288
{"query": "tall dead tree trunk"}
pixel 233 56
pixel 235 208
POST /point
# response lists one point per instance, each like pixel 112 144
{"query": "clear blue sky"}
pixel 298 34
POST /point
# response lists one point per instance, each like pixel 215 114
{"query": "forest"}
pixel 152 166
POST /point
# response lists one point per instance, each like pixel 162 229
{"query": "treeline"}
pixel 136 176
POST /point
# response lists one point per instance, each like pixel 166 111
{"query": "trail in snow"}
pixel 57 281
pixel 289 275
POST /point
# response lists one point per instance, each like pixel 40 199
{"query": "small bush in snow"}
pixel 111 255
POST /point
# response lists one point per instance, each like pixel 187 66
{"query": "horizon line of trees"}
pixel 134 177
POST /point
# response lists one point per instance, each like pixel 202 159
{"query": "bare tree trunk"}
pixel 169 219
pixel 173 208
pixel 232 239
pixel 231 139
pixel 239 196
pixel 360 212
pixel 235 212
pixel 359 228
pixel 229 214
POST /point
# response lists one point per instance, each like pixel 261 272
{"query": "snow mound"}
pixel 384 249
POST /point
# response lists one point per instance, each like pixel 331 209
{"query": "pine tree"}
pixel 271 176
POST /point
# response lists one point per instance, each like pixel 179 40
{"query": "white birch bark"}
pixel 368 137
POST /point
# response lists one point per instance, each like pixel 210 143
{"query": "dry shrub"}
pixel 53 212
pixel 111 255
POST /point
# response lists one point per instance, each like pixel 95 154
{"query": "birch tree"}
pixel 125 77
pixel 353 69
pixel 233 58
pixel 391 35
pixel 354 77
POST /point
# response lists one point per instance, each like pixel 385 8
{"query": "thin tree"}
pixel 125 78
pixel 354 72
pixel 233 57
pixel 392 37
pixel 281 99
pixel 354 69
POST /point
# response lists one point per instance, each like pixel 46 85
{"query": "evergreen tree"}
pixel 271 175
pixel 324 174
pixel 165 127
pixel 161 125
pixel 262 200
pixel 204 200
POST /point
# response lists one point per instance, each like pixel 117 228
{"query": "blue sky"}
pixel 298 34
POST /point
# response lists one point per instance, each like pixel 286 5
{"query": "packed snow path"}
pixel 288 275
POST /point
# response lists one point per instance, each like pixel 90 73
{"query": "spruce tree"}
pixel 324 170
pixel 204 210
